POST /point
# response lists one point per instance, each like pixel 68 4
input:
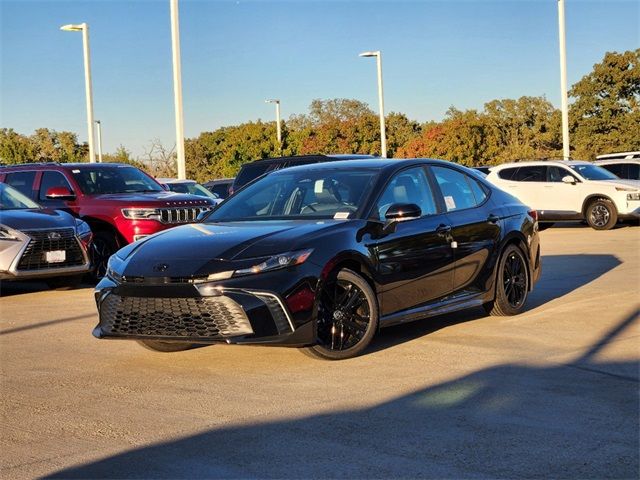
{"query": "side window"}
pixel 52 179
pixel 408 186
pixel 508 173
pixel 537 173
pixel 22 181
pixel 634 171
pixel 616 168
pixel 456 189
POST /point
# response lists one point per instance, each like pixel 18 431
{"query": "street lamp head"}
pixel 272 100
pixel 72 28
pixel 370 54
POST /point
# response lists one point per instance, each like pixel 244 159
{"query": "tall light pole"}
pixel 383 134
pixel 84 28
pixel 99 125
pixel 563 82
pixel 177 88
pixel 278 127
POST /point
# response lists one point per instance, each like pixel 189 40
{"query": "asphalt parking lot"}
pixel 550 393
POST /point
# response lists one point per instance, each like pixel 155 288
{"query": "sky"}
pixel 236 54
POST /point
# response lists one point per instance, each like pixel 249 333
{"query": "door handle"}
pixel 493 218
pixel 443 230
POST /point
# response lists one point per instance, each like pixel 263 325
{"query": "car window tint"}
pixel 222 190
pixel 52 179
pixel 22 181
pixel 634 171
pixel 407 186
pixel 616 169
pixel 478 190
pixel 556 174
pixel 507 173
pixel 455 188
pixel 535 173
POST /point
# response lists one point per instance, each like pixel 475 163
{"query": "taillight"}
pixel 533 214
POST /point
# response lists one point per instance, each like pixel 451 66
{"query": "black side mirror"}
pixel 400 212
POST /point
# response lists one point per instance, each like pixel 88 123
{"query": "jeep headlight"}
pixel 276 262
pixel 141 213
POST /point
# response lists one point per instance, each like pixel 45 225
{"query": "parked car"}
pixel 121 203
pixel 624 165
pixel 250 171
pixel 321 256
pixel 188 186
pixel 570 190
pixel 219 186
pixel 40 243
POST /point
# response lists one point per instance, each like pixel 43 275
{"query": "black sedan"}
pixel 324 255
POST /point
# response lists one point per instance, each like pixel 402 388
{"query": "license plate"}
pixel 56 256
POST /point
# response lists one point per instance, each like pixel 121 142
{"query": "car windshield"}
pixel 12 199
pixel 593 172
pixel 117 179
pixel 321 194
pixel 191 188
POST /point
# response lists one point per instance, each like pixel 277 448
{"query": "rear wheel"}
pixel 103 246
pixel 347 317
pixel 602 214
pixel 512 284
pixel 160 346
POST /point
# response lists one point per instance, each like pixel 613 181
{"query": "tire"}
pixel 103 246
pixel 544 225
pixel 347 318
pixel 64 283
pixel 601 214
pixel 165 347
pixel 512 284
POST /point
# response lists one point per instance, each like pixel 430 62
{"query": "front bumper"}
pixel 196 313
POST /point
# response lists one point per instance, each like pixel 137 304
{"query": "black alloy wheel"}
pixel 602 214
pixel 347 317
pixel 103 246
pixel 512 283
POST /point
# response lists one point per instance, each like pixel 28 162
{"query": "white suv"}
pixel 570 190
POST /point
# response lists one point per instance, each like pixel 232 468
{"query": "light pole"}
pixel 563 82
pixel 99 125
pixel 383 134
pixel 84 28
pixel 177 88
pixel 278 128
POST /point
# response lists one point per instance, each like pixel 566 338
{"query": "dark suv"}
pixel 250 171
pixel 120 202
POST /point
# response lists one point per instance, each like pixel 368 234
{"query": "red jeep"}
pixel 121 203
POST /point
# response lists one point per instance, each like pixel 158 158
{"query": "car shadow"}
pixel 561 275
pixel 9 289
pixel 578 419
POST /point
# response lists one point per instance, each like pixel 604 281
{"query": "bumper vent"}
pixel 181 215
pixel 208 317
pixel 42 241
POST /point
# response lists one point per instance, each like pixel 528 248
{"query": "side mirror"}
pixel 569 179
pixel 60 193
pixel 400 212
pixel 165 187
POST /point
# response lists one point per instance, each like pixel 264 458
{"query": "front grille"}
pixel 181 214
pixel 42 241
pixel 210 317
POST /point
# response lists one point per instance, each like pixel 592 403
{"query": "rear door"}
pixel 476 228
pixel 50 179
pixel 414 263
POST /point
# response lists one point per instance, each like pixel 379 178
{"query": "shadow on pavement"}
pixel 8 289
pixel 44 324
pixel 510 421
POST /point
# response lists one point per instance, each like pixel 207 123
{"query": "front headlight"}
pixel 141 213
pixel 282 260
pixel 8 233
pixel 633 196
pixel 82 228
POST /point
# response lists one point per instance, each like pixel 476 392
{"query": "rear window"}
pixel 536 173
pixel 21 181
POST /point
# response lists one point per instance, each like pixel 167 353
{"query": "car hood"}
pixel 35 219
pixel 202 248
pixel 156 199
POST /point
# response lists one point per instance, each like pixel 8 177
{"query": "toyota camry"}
pixel 322 257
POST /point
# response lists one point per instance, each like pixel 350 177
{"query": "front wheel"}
pixel 160 346
pixel 347 317
pixel 602 214
pixel 512 284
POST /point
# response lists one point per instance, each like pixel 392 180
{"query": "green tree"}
pixel 605 115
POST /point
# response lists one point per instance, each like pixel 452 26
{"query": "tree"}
pixel 14 147
pixel 605 116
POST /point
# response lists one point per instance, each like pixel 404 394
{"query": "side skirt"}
pixel 448 305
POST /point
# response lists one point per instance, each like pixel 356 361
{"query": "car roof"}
pixel 619 156
pixel 36 165
pixel 306 159
pixel 174 180
pixel 617 161
pixel 377 163
pixel 531 163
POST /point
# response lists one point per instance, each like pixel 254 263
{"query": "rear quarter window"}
pixel 507 173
